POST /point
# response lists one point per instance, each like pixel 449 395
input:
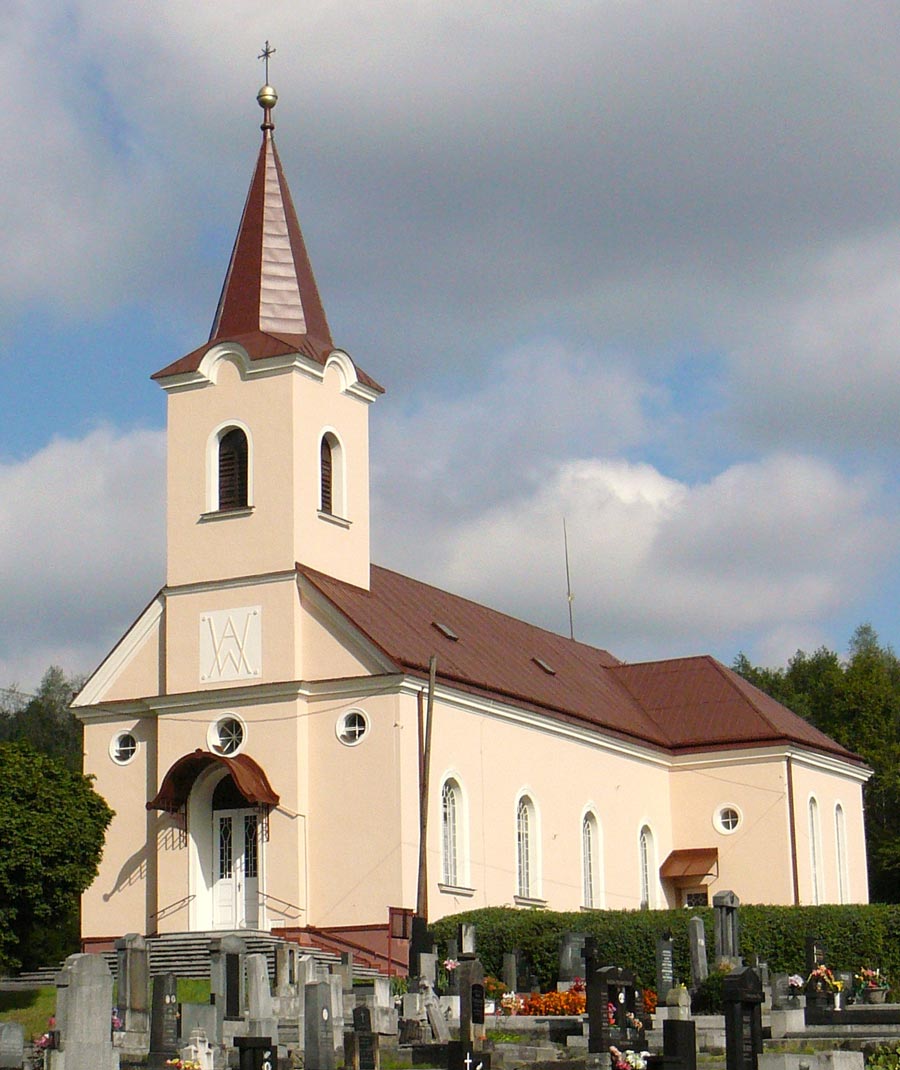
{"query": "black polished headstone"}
pixel 163 1020
pixel 742 995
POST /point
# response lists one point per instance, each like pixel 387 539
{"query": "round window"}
pixel 727 819
pixel 122 748
pixel 351 727
pixel 226 736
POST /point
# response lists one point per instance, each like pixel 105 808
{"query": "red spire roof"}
pixel 270 303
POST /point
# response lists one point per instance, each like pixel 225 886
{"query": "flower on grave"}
pixel 822 980
pixel 183 1064
pixel 611 1012
pixel 634 1022
pixel 450 964
pixel 628 1060
pixel 509 1004
pixel 795 983
pixel 578 985
pixel 868 978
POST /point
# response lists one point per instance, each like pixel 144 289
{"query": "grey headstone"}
pixel 133 996
pixel 509 971
pixel 319 1028
pixel 471 999
pixel 467 938
pixel 665 966
pixel 164 1020
pixel 336 982
pixel 263 1022
pixel 727 926
pixel 86 1009
pixel 699 962
pixel 571 956
pixel 428 967
pixel 12 1045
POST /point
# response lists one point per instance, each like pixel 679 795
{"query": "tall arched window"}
pixel 526 848
pixel 450 815
pixel 590 857
pixel 332 492
pixel 646 865
pixel 840 853
pixel 233 470
pixel 815 852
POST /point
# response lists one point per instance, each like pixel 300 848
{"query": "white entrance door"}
pixel 236 889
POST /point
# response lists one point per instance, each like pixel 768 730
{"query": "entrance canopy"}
pixel 176 786
pixel 690 865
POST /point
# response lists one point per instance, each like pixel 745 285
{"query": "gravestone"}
pixel 742 996
pixel 665 966
pixel 337 1010
pixel 461 1056
pixel 432 1012
pixel 678 1004
pixel 699 962
pixel 680 1044
pixel 611 1004
pixel 344 970
pixel 363 1053
pixel 318 1045
pixel 452 956
pixel 466 936
pixel 471 1000
pixel 262 1019
pixel 509 971
pixel 199 1050
pixel 133 996
pixel 421 942
pixel 12 1045
pixel 163 1020
pixel 255 1053
pixel 571 956
pixel 83 1016
pixel 816 954
pixel 727 927
pixel 226 984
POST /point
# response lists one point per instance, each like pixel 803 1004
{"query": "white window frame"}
pixel 591 860
pixel 338 475
pixel 815 852
pixel 212 464
pixel 214 738
pixel 646 866
pixel 840 853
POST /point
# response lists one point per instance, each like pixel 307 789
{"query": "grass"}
pixel 30 1006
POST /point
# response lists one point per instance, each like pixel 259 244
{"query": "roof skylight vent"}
pixel 541 664
pixel 445 630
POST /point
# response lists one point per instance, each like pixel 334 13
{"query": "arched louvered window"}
pixel 233 470
pixel 326 464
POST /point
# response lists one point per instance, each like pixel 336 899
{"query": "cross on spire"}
pixel 266 52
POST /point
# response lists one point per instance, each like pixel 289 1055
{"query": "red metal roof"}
pixel 682 704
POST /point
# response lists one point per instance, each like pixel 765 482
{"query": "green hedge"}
pixel 854 936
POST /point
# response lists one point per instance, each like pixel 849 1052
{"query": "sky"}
pixel 631 264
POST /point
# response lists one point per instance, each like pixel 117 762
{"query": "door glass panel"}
pixel 226 856
pixel 251 854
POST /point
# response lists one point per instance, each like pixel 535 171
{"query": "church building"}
pixel 258 729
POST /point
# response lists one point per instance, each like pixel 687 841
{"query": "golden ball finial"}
pixel 267 97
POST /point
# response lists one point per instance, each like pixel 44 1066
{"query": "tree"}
pixel 857 703
pixel 52 826
pixel 45 720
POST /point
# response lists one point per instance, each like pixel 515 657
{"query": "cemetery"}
pixel 287 1008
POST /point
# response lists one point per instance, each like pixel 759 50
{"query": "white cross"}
pixel 468 1060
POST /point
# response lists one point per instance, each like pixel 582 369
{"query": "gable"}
pixel 135 667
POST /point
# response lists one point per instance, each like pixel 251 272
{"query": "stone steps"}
pixel 187 955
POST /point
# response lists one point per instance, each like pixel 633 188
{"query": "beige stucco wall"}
pixel 756 787
pixel 356 848
pixel 123 895
pixel 284 525
pixel 830 788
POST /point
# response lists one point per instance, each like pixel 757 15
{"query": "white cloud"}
pixel 768 551
pixel 82 543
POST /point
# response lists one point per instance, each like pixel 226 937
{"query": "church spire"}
pixel 270 304
pixel 269 287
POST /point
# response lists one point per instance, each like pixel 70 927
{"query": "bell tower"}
pixel 268 443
